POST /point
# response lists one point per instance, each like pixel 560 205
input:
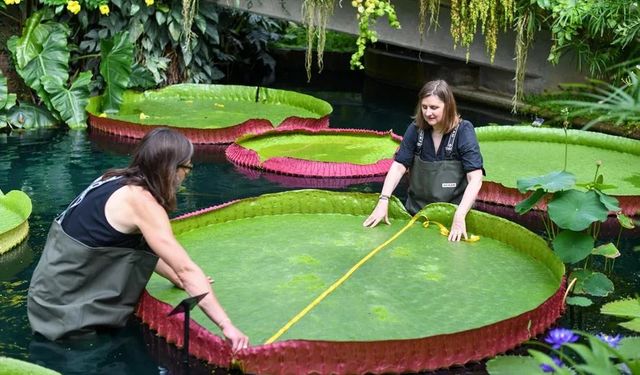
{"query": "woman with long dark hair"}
pixel 101 251
pixel 442 154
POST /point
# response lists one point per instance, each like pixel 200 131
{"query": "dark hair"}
pixel 154 164
pixel 440 89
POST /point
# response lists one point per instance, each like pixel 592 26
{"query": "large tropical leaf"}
pixel 625 308
pixel 115 68
pixel 576 210
pixel 71 102
pixel 28 46
pixel 30 116
pixel 43 51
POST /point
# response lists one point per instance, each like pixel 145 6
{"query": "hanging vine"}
pixel 368 13
pixel 426 7
pixel 315 15
pixel 524 36
pixel 490 15
pixel 189 10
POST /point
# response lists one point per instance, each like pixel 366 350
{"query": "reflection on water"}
pixel 52 166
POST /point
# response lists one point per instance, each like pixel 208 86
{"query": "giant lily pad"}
pixel 334 153
pixel 211 113
pixel 15 366
pixel 15 208
pixel 513 152
pixel 421 302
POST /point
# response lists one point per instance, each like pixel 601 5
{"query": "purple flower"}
pixel 612 341
pixel 548 368
pixel 560 336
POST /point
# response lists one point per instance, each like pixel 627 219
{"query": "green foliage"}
pixel 70 102
pixel 625 308
pixel 296 37
pixel 569 213
pixel 115 67
pixel 368 13
pixel 11 366
pixel 592 356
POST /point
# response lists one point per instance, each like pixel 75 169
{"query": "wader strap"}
pixel 97 182
pixel 420 141
pixel 448 150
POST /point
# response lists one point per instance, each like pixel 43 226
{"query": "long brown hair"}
pixel 440 89
pixel 154 165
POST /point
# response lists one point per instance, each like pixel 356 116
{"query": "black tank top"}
pixel 88 223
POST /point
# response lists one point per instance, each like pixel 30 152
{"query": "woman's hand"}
pixel 235 337
pixel 458 228
pixel 379 213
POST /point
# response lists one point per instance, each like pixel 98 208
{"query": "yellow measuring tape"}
pixel 443 230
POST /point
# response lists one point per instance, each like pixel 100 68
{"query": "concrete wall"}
pixel 437 45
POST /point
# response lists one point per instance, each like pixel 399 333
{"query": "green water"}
pixel 53 166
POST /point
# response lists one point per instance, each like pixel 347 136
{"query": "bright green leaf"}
pixel 625 221
pixel 579 301
pixel 527 204
pixel 115 68
pixel 572 246
pixel 508 365
pixel 70 103
pixel 630 347
pixel 607 250
pixel 552 182
pixel 576 210
pixel 592 283
pixel 625 308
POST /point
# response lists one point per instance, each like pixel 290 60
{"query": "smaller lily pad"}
pixel 607 250
pixel 592 283
pixel 576 210
pixel 552 182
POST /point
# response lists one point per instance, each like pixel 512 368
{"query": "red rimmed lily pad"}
pixel 211 114
pixel 420 303
pixel 514 152
pixel 333 153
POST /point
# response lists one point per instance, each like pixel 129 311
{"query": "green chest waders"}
pixel 435 181
pixel 76 288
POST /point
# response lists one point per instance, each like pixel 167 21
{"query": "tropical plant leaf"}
pixel 542 358
pixel 508 365
pixel 625 221
pixel 611 203
pixel 527 204
pixel 607 250
pixel 552 182
pixel 579 301
pixel 630 347
pixel 592 283
pixel 4 92
pixel 29 116
pixel 576 210
pixel 141 77
pixel 43 50
pixel 625 308
pixel 115 68
pixel 572 246
pixel 71 102
pixel 595 357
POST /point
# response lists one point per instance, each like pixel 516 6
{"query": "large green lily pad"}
pixel 15 208
pixel 356 148
pixel 11 366
pixel 271 256
pixel 212 106
pixel 513 152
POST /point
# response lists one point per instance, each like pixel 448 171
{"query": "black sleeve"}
pixel 404 155
pixel 468 148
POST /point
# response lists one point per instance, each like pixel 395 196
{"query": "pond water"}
pixel 52 166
